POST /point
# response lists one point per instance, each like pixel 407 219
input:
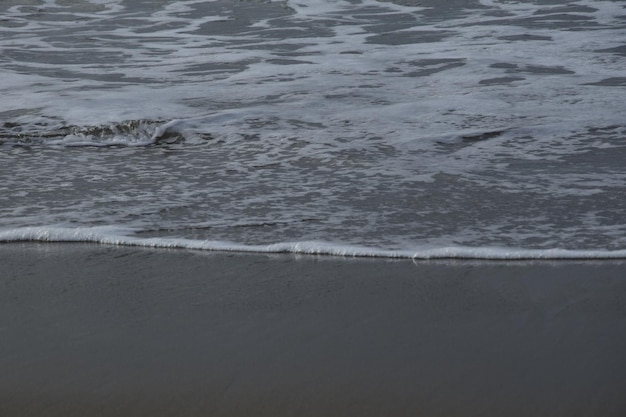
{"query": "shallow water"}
pixel 472 128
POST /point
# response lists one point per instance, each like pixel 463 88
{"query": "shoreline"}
pixel 107 330
pixel 108 236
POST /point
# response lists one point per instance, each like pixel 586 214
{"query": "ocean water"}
pixel 405 128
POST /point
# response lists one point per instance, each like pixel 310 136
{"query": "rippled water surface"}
pixel 396 126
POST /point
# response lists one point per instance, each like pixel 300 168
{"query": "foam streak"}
pixel 108 235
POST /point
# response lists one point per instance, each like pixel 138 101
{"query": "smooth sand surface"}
pixel 88 330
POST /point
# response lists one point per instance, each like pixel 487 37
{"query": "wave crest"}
pixel 126 133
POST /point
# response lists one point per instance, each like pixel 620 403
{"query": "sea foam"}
pixel 110 235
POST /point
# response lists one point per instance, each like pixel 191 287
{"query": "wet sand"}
pixel 90 330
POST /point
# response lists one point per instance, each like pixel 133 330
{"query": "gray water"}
pixel 396 126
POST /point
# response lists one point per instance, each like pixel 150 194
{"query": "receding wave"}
pixel 108 235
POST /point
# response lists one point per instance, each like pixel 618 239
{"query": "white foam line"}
pixel 109 235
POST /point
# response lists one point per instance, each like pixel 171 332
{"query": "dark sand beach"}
pixel 92 330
